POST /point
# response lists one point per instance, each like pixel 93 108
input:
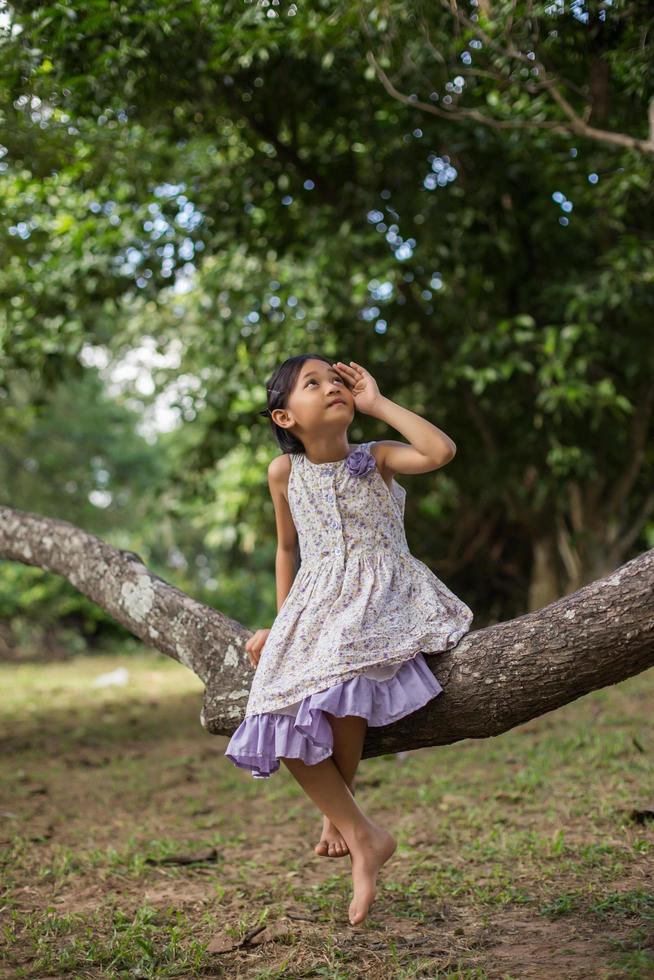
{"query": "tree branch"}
pixel 494 679
pixel 576 126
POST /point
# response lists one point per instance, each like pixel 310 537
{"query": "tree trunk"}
pixel 544 580
pixel 494 679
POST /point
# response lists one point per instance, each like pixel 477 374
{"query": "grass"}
pixel 517 856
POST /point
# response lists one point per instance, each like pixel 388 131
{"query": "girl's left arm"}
pixel 430 447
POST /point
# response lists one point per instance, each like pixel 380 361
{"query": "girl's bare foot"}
pixel 332 843
pixel 369 852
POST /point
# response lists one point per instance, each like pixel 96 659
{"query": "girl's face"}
pixel 321 399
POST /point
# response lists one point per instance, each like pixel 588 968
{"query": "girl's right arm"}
pixel 286 559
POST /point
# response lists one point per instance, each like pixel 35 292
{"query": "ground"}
pixel 518 857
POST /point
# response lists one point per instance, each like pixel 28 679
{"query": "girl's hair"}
pixel 279 386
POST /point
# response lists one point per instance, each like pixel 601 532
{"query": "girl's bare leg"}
pixel 349 734
pixel 370 845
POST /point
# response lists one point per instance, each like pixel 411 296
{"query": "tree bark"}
pixel 494 679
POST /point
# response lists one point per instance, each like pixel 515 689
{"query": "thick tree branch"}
pixel 149 607
pixel 494 679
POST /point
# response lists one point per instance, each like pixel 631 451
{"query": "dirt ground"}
pixel 526 856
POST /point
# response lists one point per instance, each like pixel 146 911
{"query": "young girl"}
pixel 344 651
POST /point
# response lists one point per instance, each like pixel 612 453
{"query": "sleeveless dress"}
pixel 349 636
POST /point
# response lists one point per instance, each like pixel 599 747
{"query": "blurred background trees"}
pixel 461 201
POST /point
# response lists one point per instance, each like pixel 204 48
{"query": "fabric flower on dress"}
pixel 360 462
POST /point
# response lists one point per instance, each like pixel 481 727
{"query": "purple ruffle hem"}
pixel 262 739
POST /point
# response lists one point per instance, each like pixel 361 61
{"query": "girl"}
pixel 344 651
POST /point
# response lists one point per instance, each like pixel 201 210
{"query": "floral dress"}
pixel 349 636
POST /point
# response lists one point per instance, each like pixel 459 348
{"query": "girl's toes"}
pixel 322 847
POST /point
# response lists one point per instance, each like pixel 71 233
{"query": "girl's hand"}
pixel 362 385
pixel 254 646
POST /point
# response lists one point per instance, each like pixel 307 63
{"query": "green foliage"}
pixel 235 180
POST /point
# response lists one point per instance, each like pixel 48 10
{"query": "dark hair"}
pixel 278 387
